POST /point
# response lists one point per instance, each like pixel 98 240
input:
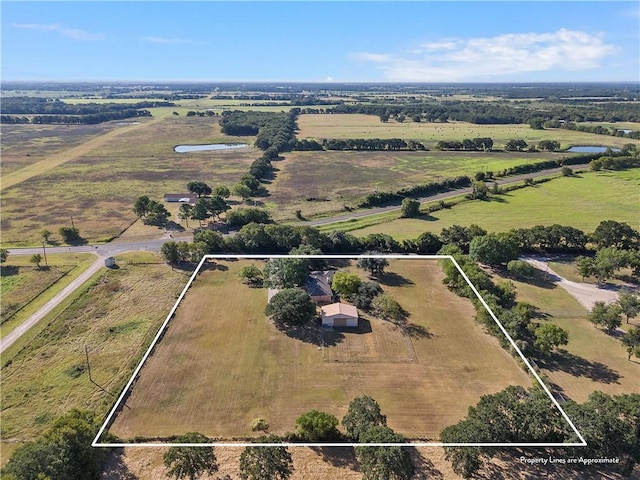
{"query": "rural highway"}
pixel 154 245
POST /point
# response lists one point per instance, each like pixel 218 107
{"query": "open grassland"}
pixel 98 188
pixel 581 202
pixel 24 288
pixel 592 360
pixel 24 145
pixel 115 317
pixel 321 126
pixel 222 363
pixel 322 182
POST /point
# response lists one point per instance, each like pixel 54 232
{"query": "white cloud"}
pixel 73 33
pixel 174 41
pixel 493 57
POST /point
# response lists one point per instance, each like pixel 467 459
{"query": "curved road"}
pixel 120 246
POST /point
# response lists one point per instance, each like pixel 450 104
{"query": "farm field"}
pixel 24 288
pixel 321 126
pixel 222 363
pixel 593 360
pixel 582 202
pixel 98 188
pixel 24 145
pixel 333 179
pixel 115 316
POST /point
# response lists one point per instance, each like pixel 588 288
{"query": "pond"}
pixel 590 149
pixel 211 146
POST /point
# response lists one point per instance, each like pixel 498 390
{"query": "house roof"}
pixel 339 309
pixel 319 284
pixel 180 197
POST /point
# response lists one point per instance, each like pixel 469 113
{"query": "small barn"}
pixel 318 286
pixel 109 262
pixel 189 198
pixel 339 315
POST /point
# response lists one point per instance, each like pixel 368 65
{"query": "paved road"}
pixel 585 293
pixel 21 329
pixel 441 196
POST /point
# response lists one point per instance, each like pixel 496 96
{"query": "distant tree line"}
pixel 54 111
pixel 488 112
pixel 373 144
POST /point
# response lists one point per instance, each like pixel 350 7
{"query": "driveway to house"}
pixel 585 293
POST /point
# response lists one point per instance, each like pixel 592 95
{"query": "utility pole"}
pixel 86 353
pixel 44 250
pixel 72 225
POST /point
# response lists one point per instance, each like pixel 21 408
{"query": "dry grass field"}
pixel 222 363
pixel 98 187
pixel 321 126
pixel 23 145
pixel 116 317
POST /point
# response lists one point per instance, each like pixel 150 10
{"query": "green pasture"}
pixel 321 126
pixel 581 202
pixel 115 315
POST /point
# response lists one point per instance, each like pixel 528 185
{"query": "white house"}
pixel 339 315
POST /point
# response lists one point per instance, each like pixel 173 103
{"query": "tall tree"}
pixel 4 254
pixel 549 336
pixel 266 463
pixel 199 188
pixel 410 208
pixel 184 212
pixel 315 426
pixel 291 306
pixel 36 259
pixel 375 265
pixel 493 249
pixel 190 462
pixel 345 283
pixel 384 463
pixel 631 340
pixel 286 272
pixel 363 414
pixel 629 304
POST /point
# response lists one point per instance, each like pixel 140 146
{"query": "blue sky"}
pixel 361 41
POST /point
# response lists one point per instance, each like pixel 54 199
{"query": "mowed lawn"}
pixel 222 363
pixel 581 202
pixel 592 360
pixel 99 187
pixel 321 126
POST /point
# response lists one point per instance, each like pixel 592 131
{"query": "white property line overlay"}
pixel 111 414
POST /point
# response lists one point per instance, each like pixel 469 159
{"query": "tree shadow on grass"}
pixel 392 279
pixel 313 334
pixel 115 467
pixel 8 270
pixel 425 469
pixel 340 457
pixel 417 331
pixel 579 367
